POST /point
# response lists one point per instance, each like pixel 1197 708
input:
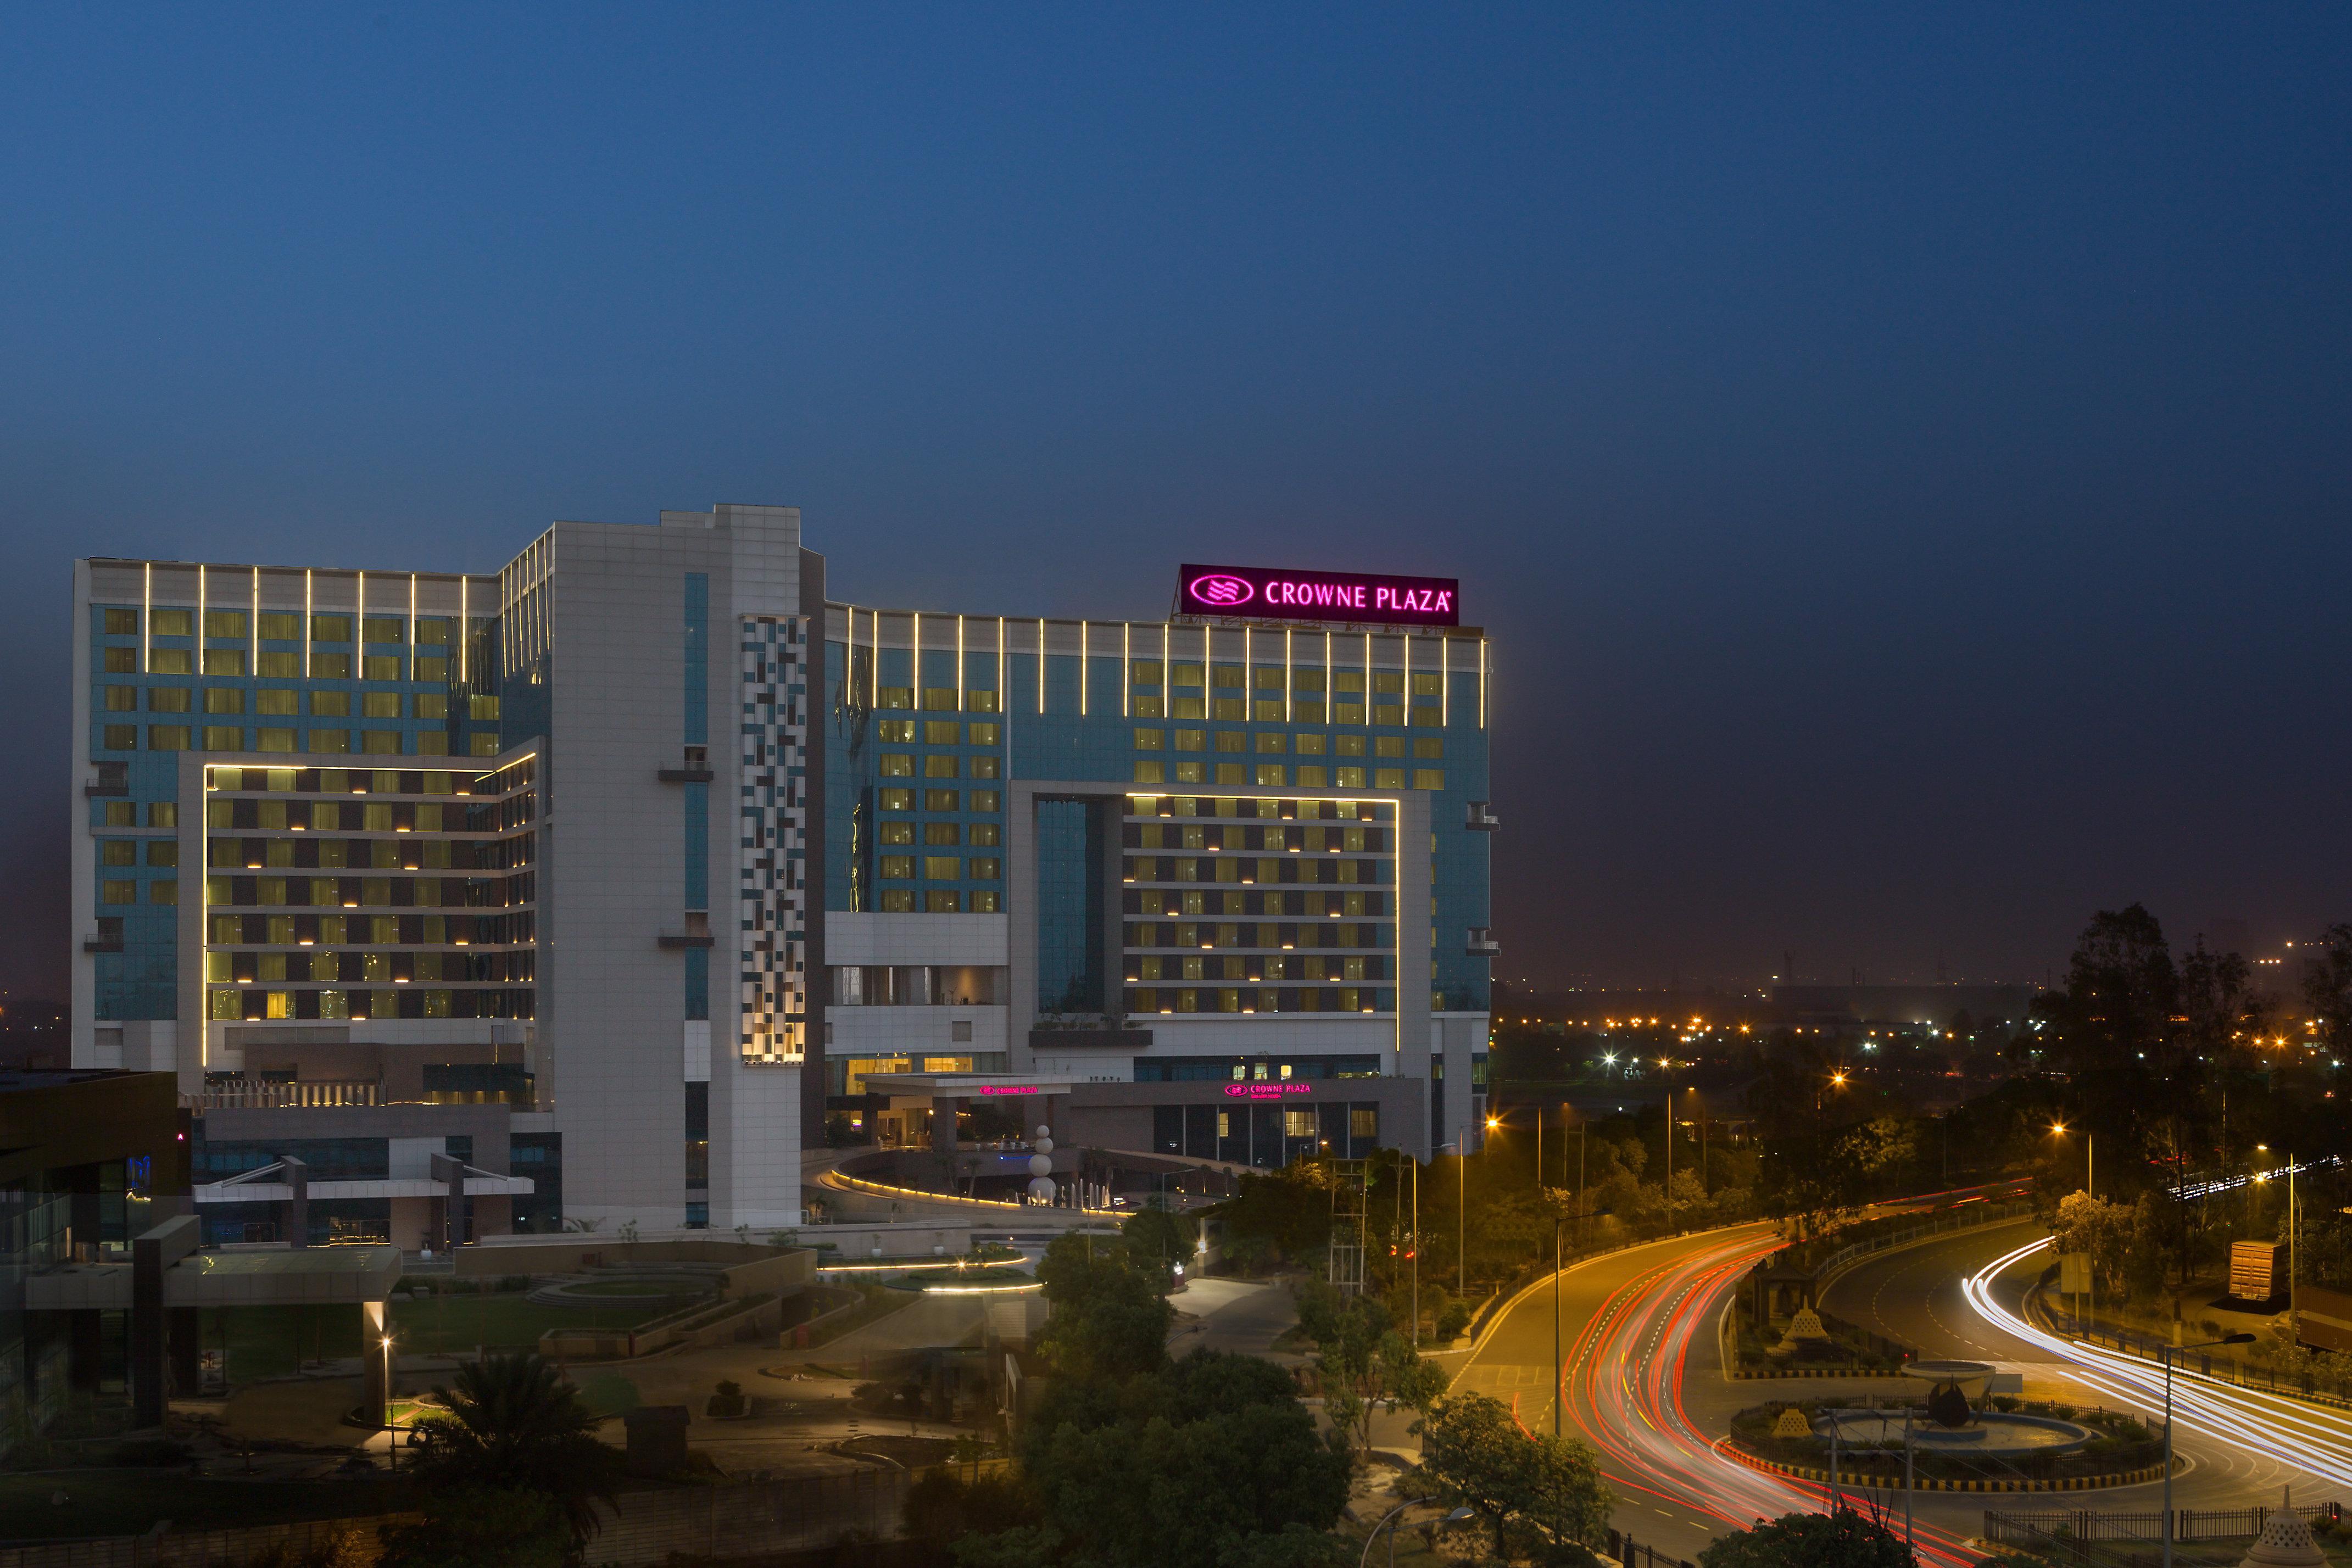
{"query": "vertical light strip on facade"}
pixel 1125 670
pixel 306 623
pixel 1444 680
pixel 1482 683
pixel 1405 712
pixel 410 657
pixel 959 701
pixel 359 625
pixel 1082 669
pixel 253 639
pixel 146 616
pixel 200 621
pixel 465 624
pixel 874 667
pixel 1290 704
pixel 915 640
pixel 1040 666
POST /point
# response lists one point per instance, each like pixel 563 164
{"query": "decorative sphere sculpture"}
pixel 1042 1188
pixel 1041 1164
pixel 1043 1145
pixel 1044 1131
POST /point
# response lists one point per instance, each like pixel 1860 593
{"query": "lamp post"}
pixel 1666 1066
pixel 2165 1353
pixel 391 1429
pixel 1559 1365
pixel 1458 1516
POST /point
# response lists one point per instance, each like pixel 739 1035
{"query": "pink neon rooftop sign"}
pixel 1269 593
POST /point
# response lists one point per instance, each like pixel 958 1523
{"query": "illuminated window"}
pixel 335 741
pixel 117 890
pixel 1192 773
pixel 1188 707
pixel 119 736
pixel 1145 739
pixel 1387 746
pixel 1272 742
pixel 980 702
pixel 897 900
pixel 941 901
pixel 898 801
pixel 432 628
pixel 1148 772
pixel 894 834
pixel 225 660
pixel 941 732
pixel 482 709
pixel 1429 778
pixel 1231 773
pixel 895 697
pixel 223 738
pixel 939 800
pixel 223 622
pixel 981 832
pixel 164 814
pixel 122 623
pixel 986 800
pixel 941 833
pixel 942 868
pixel 430 669
pixel 379 704
pixel 1431 748
pixel 986 734
pixel 985 766
pixel 331 666
pixel 121 661
pixel 1231 740
pixel 273 740
pixel 983 901
pixel 897 765
pixel 898 867
pixel 380 628
pixel 1298 1124
pixel 379 667
pixel 1269 774
pixel 117 851
pixel 1147 704
pixel 432 704
pixel 330 628
pixel 987 868
pixel 281 626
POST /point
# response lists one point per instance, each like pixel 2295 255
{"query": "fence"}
pixel 2092 1539
pixel 1623 1549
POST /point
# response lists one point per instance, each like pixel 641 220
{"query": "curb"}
pixel 1732 1450
pixel 1783 1376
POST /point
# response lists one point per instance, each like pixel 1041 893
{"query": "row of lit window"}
pixel 1255 901
pixel 1250 871
pixel 231 1005
pixel 942 868
pixel 985 834
pixel 939 901
pixel 1259 999
pixel 939 765
pixel 1267 936
pixel 328 742
pixel 366 891
pixel 1298 710
pixel 399 853
pixel 1312 967
pixel 125 813
pixel 1274 742
pixel 1146 673
pixel 270 816
pixel 279 625
pixel 125 852
pixel 514 776
pixel 1171 835
pixel 936 732
pixel 115 889
pixel 230 663
pixel 1259 808
pixel 941 699
pixel 375 968
pixel 1363 1123
pixel 286 702
pixel 1275 776
pixel 368 930
pixel 980 802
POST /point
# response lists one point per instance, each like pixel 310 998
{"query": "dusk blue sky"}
pixel 1902 452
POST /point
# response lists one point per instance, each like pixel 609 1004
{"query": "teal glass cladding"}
pixel 1070 849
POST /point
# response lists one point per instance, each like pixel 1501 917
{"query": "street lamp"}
pixel 2165 1353
pixel 391 1429
pixel 1459 1516
pixel 2090 1156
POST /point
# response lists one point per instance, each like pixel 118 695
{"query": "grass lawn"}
pixel 129 1502
pixel 503 1322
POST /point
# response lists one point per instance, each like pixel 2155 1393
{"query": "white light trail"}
pixel 2272 1426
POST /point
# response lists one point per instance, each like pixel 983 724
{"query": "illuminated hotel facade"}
pixel 608 876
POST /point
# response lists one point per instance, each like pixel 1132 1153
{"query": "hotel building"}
pixel 606 877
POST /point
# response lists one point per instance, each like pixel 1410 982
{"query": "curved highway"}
pixel 1638 1340
pixel 1642 1382
pixel 1962 1297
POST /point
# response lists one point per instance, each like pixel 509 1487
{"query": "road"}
pixel 1962 1298
pixel 1639 1339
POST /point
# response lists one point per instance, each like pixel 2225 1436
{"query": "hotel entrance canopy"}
pixel 965 1085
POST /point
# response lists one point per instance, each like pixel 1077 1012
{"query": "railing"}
pixel 1961 1220
pixel 2088 1540
pixel 301 1094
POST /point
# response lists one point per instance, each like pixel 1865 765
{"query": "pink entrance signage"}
pixel 1267 593
pixel 1002 1089
pixel 1267 1091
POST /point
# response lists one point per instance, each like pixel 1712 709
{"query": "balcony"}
pixel 267 1094
pixel 113 779
pixel 696 935
pixel 1480 820
pixel 1482 943
pixel 694 767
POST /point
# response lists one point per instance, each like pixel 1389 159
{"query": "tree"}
pixel 2103 1230
pixel 514 1425
pixel 2328 989
pixel 1209 1460
pixel 1540 1495
pixel 1285 1213
pixel 1108 1319
pixel 482 1526
pixel 1156 1237
pixel 1363 1364
pixel 1845 1540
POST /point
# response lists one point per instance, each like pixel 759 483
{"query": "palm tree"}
pixel 514 1423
